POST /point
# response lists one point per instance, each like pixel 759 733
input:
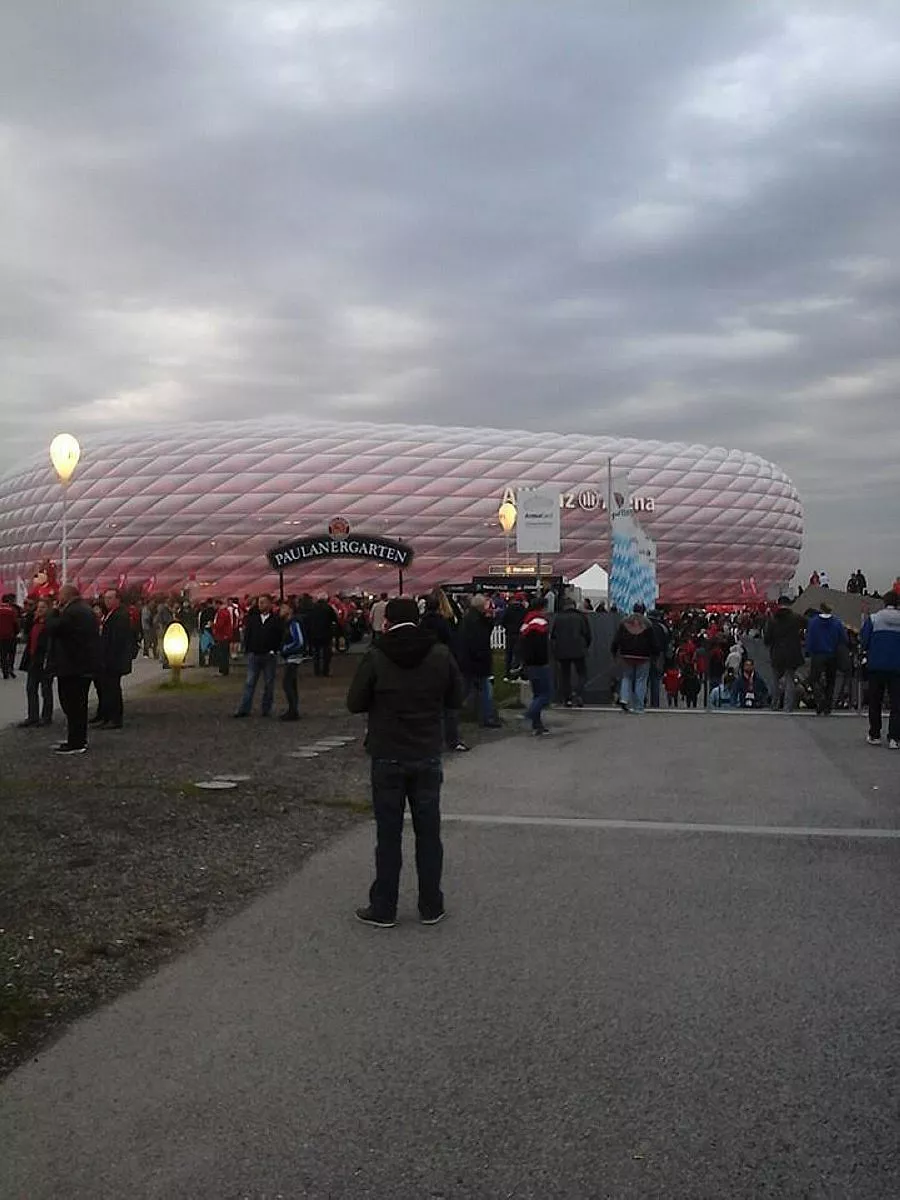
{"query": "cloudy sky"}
pixel 675 219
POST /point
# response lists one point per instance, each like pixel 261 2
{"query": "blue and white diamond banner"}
pixel 632 570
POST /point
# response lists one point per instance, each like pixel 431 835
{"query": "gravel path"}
pixel 112 863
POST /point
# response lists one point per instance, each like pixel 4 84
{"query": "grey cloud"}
pixel 654 220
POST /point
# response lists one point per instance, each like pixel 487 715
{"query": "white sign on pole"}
pixel 537 523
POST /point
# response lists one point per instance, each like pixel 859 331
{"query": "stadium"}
pixel 201 506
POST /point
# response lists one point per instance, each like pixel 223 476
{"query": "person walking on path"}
pixel 323 626
pixel 784 637
pixel 437 619
pixel 117 647
pixel 376 617
pixel 223 632
pixel 477 660
pixel 9 631
pixel 263 635
pixel 534 650
pixel 880 638
pixel 405 684
pixel 570 640
pixel 824 634
pixel 38 680
pixel 635 643
pixel 292 653
pixel 74 659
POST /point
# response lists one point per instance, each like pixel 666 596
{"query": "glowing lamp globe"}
pixel 175 647
pixel 64 454
pixel 506 515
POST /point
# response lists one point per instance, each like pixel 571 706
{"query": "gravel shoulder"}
pixel 112 863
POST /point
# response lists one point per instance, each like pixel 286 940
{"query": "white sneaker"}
pixel 893 744
pixel 873 741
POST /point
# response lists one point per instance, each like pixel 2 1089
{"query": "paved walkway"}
pixel 612 1010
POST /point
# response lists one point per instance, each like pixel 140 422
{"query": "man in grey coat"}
pixel 570 639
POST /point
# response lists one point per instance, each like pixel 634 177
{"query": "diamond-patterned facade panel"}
pixel 203 504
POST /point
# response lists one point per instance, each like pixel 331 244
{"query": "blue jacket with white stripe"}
pixel 880 636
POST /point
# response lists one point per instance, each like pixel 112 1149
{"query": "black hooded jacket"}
pixel 404 684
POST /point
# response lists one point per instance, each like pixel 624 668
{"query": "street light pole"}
pixel 64 455
pixel 65 535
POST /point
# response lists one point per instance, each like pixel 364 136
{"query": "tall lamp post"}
pixel 64 454
pixel 506 515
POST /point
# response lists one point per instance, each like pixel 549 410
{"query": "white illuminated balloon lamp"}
pixel 175 647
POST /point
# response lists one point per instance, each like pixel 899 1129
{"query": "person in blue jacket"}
pixel 824 634
pixel 880 638
pixel 292 652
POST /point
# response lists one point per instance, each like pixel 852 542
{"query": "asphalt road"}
pixel 613 1008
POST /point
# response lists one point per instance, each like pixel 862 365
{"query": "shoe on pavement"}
pixel 65 748
pixel 540 731
pixel 893 744
pixel 289 717
pixel 570 704
pixel 240 714
pixel 97 721
pixel 432 918
pixel 27 724
pixel 460 747
pixel 873 741
pixel 368 916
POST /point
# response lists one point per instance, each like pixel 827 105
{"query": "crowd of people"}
pixel 689 657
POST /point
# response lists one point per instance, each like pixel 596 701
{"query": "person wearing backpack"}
pixel 292 653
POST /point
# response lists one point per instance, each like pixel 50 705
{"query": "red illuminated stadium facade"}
pixel 201 506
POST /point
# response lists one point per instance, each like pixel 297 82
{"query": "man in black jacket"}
pixel 570 640
pixel 477 660
pixel 117 648
pixel 74 660
pixel 784 637
pixel 404 684
pixel 322 627
pixel 263 635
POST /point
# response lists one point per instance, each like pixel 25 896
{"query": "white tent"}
pixel 594 583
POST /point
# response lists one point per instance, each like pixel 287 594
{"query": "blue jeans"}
pixel 541 681
pixel 484 699
pixel 393 784
pixel 634 685
pixel 259 664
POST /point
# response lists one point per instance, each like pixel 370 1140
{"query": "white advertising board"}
pixel 537 523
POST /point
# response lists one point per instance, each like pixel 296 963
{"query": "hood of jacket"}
pixel 636 624
pixel 407 646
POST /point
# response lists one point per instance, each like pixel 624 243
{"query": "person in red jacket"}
pixel 672 684
pixel 9 631
pixel 223 635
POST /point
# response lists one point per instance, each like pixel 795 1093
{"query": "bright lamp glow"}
pixel 64 454
pixel 506 515
pixel 175 645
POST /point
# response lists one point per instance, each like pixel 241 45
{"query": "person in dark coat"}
pixel 38 679
pixel 117 649
pixel 263 638
pixel 322 627
pixel 477 660
pixel 74 659
pixel 570 639
pixel 405 684
pixel 784 637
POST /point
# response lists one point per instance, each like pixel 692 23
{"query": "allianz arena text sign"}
pixel 359 545
pixel 590 499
